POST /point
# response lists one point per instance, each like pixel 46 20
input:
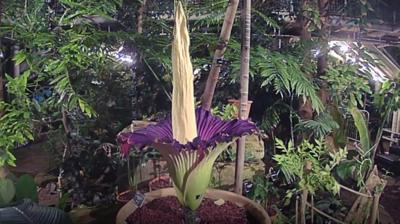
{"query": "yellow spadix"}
pixel 183 109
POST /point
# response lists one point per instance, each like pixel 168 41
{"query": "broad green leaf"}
pixel 199 179
pixel 7 191
pixel 362 129
pixel 26 188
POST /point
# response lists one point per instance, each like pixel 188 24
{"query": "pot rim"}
pixel 255 209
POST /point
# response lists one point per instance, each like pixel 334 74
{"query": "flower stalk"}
pixel 190 139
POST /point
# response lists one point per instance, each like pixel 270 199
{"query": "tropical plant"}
pixel 13 188
pixel 386 101
pixel 319 127
pixel 360 167
pixel 347 84
pixel 285 75
pixel 135 160
pixel 262 189
pixel 309 165
pixel 228 111
pixel 190 145
pixel 15 124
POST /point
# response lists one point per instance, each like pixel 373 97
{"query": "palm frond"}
pixel 284 74
pixel 319 127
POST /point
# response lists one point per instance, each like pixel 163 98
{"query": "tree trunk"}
pixel 2 82
pixel 208 94
pixel 137 69
pixel 322 64
pixel 2 90
pixel 305 106
pixel 244 89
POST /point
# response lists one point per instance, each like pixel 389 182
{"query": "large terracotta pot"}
pixel 253 208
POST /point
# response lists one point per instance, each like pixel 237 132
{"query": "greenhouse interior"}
pixel 199 111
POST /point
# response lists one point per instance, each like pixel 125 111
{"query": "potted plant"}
pixel 135 161
pixel 190 140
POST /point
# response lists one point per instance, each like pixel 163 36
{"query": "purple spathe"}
pixel 210 131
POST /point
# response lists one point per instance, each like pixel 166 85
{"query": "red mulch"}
pixel 168 210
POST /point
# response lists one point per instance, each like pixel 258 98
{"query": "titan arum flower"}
pixel 190 139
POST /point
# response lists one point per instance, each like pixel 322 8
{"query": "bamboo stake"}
pixel 2 89
pixel 322 63
pixel 2 81
pixel 312 210
pixel 206 98
pixel 305 106
pixel 244 90
pixel 297 210
pixel 141 16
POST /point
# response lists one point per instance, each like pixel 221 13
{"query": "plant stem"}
pixel 191 216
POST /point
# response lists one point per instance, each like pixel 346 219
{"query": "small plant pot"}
pixel 160 182
pixel 236 103
pixel 254 209
pixel 125 196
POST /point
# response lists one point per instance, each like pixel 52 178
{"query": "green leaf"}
pixel 7 191
pixel 26 188
pixel 19 57
pixel 362 128
pixel 199 179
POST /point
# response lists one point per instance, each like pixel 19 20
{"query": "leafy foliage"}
pixel 272 115
pixel 285 75
pixel 15 124
pixel 7 191
pixel 294 164
pixel 362 128
pixel 322 125
pixel 25 187
pixel 228 111
pixel 262 189
pixel 347 85
pixel 22 188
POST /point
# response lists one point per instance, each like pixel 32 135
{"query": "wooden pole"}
pixel 312 209
pixel 244 90
pixel 2 85
pixel 141 16
pixel 297 210
pixel 208 94
pixel 2 92
pixel 322 63
pixel 305 106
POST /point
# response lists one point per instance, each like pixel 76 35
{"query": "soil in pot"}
pixel 168 210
